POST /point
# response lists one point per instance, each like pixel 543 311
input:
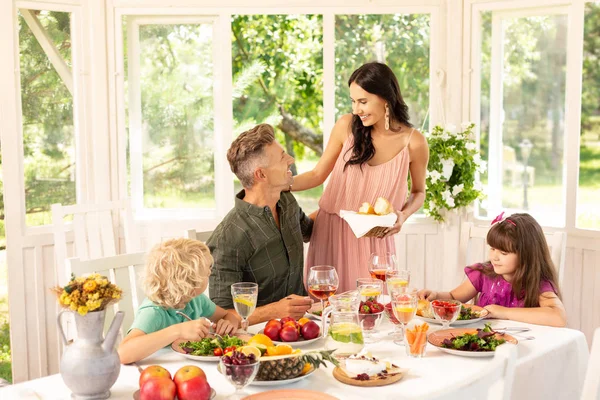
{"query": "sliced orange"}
pixel 271 350
pixel 247 350
pixel 302 321
pixel 306 369
pixel 283 349
pixel 260 338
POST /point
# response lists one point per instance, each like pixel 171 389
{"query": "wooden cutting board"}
pixel 340 375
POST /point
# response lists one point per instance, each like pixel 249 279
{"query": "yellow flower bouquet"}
pixel 88 293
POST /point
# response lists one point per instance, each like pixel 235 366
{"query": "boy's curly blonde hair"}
pixel 174 269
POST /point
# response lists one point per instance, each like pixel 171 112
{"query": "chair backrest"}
pixel 125 271
pixel 473 248
pixel 591 384
pixel 493 381
pixel 95 232
pixel 201 236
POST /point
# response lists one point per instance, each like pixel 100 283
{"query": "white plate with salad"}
pixel 209 349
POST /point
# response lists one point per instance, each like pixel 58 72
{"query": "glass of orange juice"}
pixel 404 306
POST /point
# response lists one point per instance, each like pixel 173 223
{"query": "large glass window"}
pixel 278 79
pixel 523 74
pixel 588 195
pixel 47 112
pixel 171 114
pixel 401 41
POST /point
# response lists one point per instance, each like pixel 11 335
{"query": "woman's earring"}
pixel 387 118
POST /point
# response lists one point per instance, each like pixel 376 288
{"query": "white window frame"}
pixel 83 161
pixel 223 136
pixel 472 89
pixel 135 114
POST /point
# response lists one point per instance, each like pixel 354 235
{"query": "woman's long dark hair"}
pixel 375 78
pixel 521 234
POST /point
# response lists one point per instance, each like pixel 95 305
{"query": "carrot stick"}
pixel 410 336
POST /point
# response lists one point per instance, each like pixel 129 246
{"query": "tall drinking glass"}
pixel 369 289
pixel 404 306
pixel 244 296
pixel 397 278
pixel 322 282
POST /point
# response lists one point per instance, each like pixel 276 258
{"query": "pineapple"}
pixel 276 368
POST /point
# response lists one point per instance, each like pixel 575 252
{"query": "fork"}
pixel 212 325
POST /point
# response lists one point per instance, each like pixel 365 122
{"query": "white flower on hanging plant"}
pixel 482 167
pixel 450 128
pixel 434 175
pixel 448 199
pixel 457 189
pixel 447 166
pixel 466 124
pixel 471 146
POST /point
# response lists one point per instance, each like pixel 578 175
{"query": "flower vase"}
pixel 90 365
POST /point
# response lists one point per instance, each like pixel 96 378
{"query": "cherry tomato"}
pixel 230 348
pixel 218 351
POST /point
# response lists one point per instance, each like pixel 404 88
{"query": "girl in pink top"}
pixel 369 154
pixel 519 281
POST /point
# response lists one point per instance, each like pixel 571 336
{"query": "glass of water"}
pixel 244 296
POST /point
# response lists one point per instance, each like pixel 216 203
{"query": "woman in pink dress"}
pixel 369 155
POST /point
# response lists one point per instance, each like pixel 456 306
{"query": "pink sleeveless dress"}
pixel 332 241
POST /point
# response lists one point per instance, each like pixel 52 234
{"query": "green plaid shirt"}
pixel 248 247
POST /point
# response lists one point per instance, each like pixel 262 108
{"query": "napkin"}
pixel 363 223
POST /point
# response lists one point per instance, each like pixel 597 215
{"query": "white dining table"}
pixel 551 366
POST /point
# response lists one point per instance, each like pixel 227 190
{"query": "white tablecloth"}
pixel 550 367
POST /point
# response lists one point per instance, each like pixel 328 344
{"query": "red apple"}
pixel 272 331
pixel 286 319
pixel 153 371
pixel 188 372
pixel 289 334
pixel 194 389
pixel 158 389
pixel 310 330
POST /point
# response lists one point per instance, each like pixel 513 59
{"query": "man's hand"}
pixel 293 305
pixel 224 327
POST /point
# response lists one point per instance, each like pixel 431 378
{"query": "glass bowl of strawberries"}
pixel 370 314
pixel 446 311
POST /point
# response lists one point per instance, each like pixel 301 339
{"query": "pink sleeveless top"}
pixel 332 241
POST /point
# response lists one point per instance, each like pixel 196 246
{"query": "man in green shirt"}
pixel 261 238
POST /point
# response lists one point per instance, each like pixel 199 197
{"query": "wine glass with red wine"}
pixel 380 263
pixel 322 282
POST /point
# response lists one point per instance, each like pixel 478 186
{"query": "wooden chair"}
pixel 493 381
pixel 124 270
pixel 473 248
pixel 95 232
pixel 591 384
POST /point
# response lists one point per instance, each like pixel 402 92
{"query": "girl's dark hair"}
pixel 375 78
pixel 521 234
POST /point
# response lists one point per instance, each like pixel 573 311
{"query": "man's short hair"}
pixel 246 152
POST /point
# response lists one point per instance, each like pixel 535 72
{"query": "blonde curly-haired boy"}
pixel 176 275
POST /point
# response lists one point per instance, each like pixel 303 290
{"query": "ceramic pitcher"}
pixel 90 365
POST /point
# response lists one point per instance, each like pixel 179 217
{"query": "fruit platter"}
pixel 207 349
pixel 480 342
pixel 188 383
pixel 362 369
pixel 288 330
pixel 469 314
pixel 278 363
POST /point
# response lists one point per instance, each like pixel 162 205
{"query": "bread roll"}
pixel 424 309
pixel 383 206
pixel 366 208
